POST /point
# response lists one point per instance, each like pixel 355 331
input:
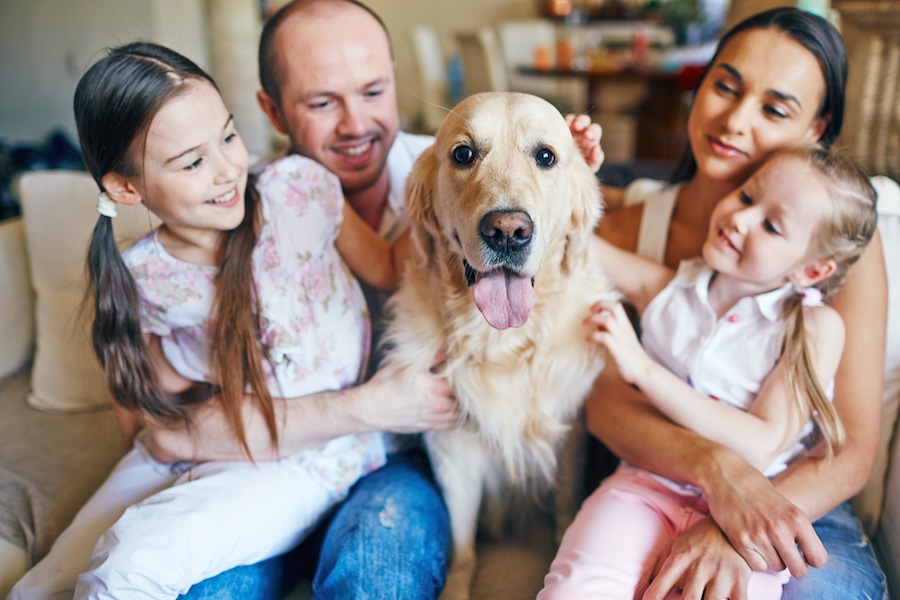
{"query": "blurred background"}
pixel 631 64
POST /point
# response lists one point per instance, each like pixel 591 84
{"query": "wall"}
pixel 447 18
pixel 47 44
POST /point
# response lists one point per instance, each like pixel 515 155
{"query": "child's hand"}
pixel 612 329
pixel 587 139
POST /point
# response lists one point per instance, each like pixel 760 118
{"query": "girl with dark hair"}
pixel 758 382
pixel 238 297
pixel 777 81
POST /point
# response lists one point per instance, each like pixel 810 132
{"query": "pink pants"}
pixel 620 533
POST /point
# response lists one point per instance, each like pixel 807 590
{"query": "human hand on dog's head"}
pixel 587 138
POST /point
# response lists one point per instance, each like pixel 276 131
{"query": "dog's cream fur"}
pixel 519 386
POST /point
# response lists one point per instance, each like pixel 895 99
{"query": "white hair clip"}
pixel 106 206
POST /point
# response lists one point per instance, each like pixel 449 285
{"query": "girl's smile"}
pixel 228 199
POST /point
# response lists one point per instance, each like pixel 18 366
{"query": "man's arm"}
pixel 396 400
pixel 371 258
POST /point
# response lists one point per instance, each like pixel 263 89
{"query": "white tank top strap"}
pixel 888 195
pixel 659 203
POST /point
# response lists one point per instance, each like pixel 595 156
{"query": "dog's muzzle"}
pixel 503 295
pixel 507 235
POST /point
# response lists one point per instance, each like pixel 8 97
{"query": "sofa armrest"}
pixel 16 299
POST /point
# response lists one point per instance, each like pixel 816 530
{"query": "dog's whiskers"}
pixel 471 274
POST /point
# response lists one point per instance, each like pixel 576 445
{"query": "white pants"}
pixel 160 532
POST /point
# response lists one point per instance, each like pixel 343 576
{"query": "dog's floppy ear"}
pixel 419 193
pixel 587 206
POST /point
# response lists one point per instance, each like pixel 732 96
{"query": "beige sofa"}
pixel 58 438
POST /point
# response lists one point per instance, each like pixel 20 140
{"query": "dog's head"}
pixel 502 197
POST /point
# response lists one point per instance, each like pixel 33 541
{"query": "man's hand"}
pixel 702 564
pixel 587 139
pixel 405 401
pixel 394 399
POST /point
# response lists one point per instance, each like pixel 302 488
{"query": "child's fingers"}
pixel 603 305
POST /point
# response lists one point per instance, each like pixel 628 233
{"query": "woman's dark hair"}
pixel 816 35
pixel 115 103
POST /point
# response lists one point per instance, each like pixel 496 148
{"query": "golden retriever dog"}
pixel 502 208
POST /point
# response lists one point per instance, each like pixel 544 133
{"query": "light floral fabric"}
pixel 313 317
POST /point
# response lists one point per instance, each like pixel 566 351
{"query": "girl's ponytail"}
pixel 802 379
pixel 843 236
pixel 118 340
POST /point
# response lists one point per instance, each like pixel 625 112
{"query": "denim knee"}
pixel 852 571
pixel 390 538
pixel 262 581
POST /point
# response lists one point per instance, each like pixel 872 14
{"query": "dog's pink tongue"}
pixel 504 299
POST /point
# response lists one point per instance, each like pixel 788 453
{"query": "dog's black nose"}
pixel 507 231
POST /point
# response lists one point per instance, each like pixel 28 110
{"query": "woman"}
pixel 777 80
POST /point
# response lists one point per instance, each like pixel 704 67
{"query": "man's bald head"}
pixel 270 64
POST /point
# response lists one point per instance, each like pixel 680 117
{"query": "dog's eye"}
pixel 544 158
pixel 463 155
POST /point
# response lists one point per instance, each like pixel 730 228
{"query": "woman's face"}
pixel 762 94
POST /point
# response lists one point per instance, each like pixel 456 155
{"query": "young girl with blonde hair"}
pixel 736 346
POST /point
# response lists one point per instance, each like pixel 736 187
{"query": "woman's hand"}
pixel 587 139
pixel 763 526
pixel 702 564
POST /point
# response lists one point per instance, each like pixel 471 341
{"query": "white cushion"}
pixel 59 213
pixel 16 298
pixel 13 564
pixel 870 501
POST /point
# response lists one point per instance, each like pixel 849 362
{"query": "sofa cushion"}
pixel 870 501
pixel 16 298
pixel 59 213
pixel 50 463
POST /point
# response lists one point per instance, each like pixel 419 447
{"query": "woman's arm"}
pixel 759 522
pixel 764 527
pixel 620 226
pixel 818 486
pixel 372 258
pixel 638 278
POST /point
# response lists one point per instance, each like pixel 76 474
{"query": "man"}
pixel 327 73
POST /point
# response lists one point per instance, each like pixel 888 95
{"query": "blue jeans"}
pixel 851 571
pixel 389 539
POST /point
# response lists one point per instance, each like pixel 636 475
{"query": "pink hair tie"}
pixel 812 296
